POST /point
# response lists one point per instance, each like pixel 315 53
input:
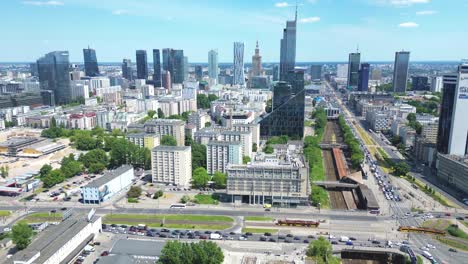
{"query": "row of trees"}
pixel 357 155
pixel 200 179
pixel 204 102
pixel 321 252
pixel 413 123
pixel 175 252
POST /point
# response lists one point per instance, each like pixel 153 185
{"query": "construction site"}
pixel 344 184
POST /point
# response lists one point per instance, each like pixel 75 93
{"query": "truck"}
pixel 427 255
pixel 215 236
pixel 344 239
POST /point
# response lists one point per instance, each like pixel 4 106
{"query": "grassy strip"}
pixel 259 230
pixel 258 218
pixel 320 195
pixel 42 217
pixel 456 232
pixel 436 195
pixel 439 224
pixel 367 140
pixel 4 213
pixel 197 226
pixel 453 243
pixel 205 199
pixel 143 217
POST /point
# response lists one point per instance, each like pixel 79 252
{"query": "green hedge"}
pixel 357 156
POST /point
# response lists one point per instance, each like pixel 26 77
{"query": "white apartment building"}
pixel 100 91
pixel 244 137
pixel 173 165
pixel 173 127
pixel 79 89
pixel 221 153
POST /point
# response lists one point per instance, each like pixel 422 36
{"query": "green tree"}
pixel 268 149
pixel 45 169
pixel 21 235
pixel 151 113
pixel 160 113
pixel 54 177
pixel 321 250
pixel 254 147
pixel 94 156
pixel 168 140
pixel 158 194
pixel 4 171
pixel 246 159
pixel 208 124
pixel 401 169
pixel 212 97
pixel 185 199
pixel 71 168
pixel 198 156
pixel 206 252
pixel 219 180
pixel 203 102
pixel 188 140
pixel 411 117
pixel 134 192
pixel 96 168
pixel 200 178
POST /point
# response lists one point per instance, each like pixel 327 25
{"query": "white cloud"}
pixel 44 3
pixel 401 3
pixel 426 12
pixel 408 25
pixel 282 4
pixel 120 12
pixel 309 20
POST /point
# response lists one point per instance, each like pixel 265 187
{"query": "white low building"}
pixel 105 187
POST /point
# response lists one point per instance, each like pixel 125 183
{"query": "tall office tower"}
pixel 198 72
pixel 288 48
pixel 287 116
pixel 53 75
pixel 127 71
pixel 437 83
pixel 33 69
pixel 142 64
pixel 452 135
pixel 239 78
pixel 157 68
pixel 363 81
pixel 186 68
pixel 172 165
pixel 420 83
pixel 213 64
pixel 353 70
pixel 90 62
pixel 316 72
pixel 257 62
pixel 173 61
pixel 167 80
pixel 400 71
pixel 276 72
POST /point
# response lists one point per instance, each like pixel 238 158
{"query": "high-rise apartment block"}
pixel 172 165
pixel 172 127
pixel 400 71
pixel 437 83
pixel 239 78
pixel 221 153
pixel 90 62
pixel 53 70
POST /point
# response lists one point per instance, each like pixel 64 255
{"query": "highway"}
pixel 399 211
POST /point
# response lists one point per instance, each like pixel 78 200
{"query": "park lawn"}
pixel 436 196
pixel 152 219
pixel 42 217
pixel 205 199
pixel 197 226
pixel 259 230
pixel 4 213
pixel 439 224
pixel 258 218
pixel 453 243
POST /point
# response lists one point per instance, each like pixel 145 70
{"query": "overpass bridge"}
pixel 331 145
pixel 335 184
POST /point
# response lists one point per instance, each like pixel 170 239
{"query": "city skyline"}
pixel 379 27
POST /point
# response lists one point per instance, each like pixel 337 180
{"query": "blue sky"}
pixel 328 29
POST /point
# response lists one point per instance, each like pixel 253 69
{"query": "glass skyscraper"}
pixel 353 70
pixel 142 64
pixel 127 71
pixel 90 62
pixel 239 78
pixel 213 64
pixel 316 72
pixel 288 48
pixel 400 71
pixel 157 68
pixel 363 83
pixel 287 115
pixel 53 71
pixel 173 62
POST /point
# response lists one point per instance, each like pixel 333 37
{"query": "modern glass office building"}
pixel 353 70
pixel 142 64
pixel 53 70
pixel 400 71
pixel 157 68
pixel 239 78
pixel 363 82
pixel 288 49
pixel 90 62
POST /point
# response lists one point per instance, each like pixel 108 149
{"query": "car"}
pixel 262 238
pixel 334 242
pixel 311 236
pixel 460 218
pixel 424 248
pixel 297 238
pixel 232 233
pixel 352 238
pixel 430 246
pixel 203 237
pixel 163 236
pixel 287 241
pixel 289 235
pixel 165 230
pixel 306 241
pixel 281 237
pixel 376 242
pixel 248 234
pixel 453 250
pixel 242 238
pixel 104 253
pixel 97 243
pixel 267 234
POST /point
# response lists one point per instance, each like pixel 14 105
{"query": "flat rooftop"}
pixel 108 176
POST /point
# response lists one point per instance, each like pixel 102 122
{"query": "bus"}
pixel 178 206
